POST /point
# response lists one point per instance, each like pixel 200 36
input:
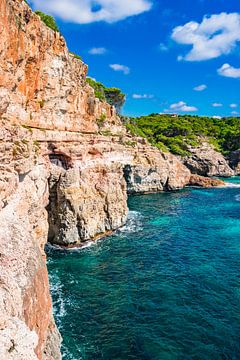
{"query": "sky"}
pixel 167 56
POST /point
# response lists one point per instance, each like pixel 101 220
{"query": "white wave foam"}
pixel 56 289
pixel 237 197
pixel 232 185
pixel 133 224
pixel 85 245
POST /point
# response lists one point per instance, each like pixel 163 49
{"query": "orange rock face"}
pixel 37 307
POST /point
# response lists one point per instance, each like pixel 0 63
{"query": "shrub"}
pixel 101 120
pixel 113 96
pixel 48 20
pixel 75 55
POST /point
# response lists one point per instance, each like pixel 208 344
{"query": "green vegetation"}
pixel 75 55
pixel 48 20
pixel 101 120
pixel 98 88
pixel 113 96
pixel 128 143
pixel 106 133
pixel 176 133
pixel 27 128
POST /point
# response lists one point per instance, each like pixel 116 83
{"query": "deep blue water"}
pixel 165 287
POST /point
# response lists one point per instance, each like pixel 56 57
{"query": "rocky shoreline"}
pixel 65 175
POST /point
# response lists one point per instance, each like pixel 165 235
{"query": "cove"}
pixel 165 287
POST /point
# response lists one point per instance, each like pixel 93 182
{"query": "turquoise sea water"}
pixel 165 287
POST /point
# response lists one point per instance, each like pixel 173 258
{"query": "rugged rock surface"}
pixel 206 161
pixel 26 321
pixel 234 161
pixel 89 199
pixel 154 171
pixel 86 204
pixel 206 182
pixel 44 85
pixel 55 132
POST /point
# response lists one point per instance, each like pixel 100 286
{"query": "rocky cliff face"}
pixel 234 161
pixel 89 199
pixel 206 161
pixel 64 150
pixel 26 323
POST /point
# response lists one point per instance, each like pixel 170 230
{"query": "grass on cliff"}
pixel 78 57
pixel 112 95
pixel 176 133
pixel 48 20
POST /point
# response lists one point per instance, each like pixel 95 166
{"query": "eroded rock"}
pixel 205 182
pixel 234 161
pixel 206 161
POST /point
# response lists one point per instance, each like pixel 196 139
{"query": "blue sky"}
pixel 166 55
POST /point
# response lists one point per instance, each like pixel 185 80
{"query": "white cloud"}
pixel 234 113
pixel 97 51
pixel 88 11
pixel 181 106
pixel 217 117
pixel 122 68
pixel 180 58
pixel 214 36
pixel 217 104
pixel 162 47
pixel 200 87
pixel 143 96
pixel 233 106
pixel 229 71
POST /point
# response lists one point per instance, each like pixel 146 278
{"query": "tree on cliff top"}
pixel 113 95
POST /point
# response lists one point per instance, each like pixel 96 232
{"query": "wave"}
pixel 232 185
pixel 237 197
pixel 134 223
pixel 56 289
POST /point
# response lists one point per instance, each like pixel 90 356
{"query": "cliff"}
pixel 204 160
pixel 234 161
pixel 67 164
pixel 208 146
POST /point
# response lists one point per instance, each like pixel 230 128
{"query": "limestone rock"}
pixel 234 161
pixel 206 161
pixel 86 204
pixel 25 303
pixel 153 171
pixel 17 341
pixel 206 182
